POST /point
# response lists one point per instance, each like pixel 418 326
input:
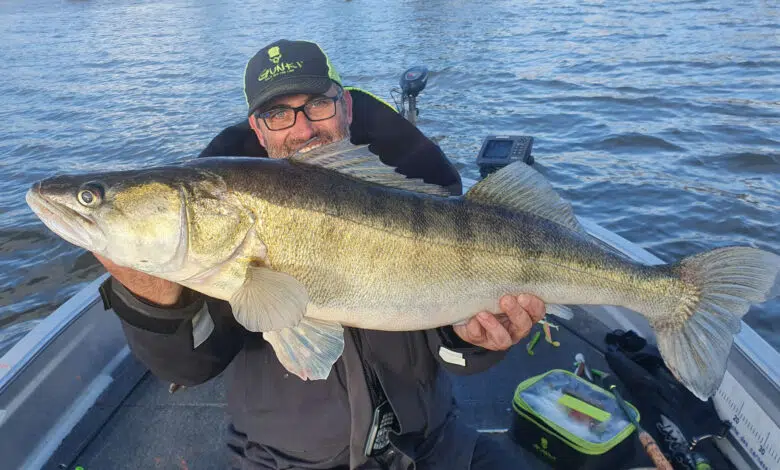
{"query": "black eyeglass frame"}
pixel 302 108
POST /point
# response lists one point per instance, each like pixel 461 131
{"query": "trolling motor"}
pixel 412 82
pixel 497 150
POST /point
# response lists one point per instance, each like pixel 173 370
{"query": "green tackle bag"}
pixel 570 423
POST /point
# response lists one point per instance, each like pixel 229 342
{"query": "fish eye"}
pixel 90 194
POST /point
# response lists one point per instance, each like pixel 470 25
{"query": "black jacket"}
pixel 278 419
pixel 395 140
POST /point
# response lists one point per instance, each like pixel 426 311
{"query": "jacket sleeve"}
pixel 187 344
pixel 458 356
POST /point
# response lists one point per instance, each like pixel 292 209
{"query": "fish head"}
pixel 137 219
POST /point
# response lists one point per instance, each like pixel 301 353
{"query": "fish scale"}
pixel 332 237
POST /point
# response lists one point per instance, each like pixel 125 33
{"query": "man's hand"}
pixel 155 290
pixel 498 333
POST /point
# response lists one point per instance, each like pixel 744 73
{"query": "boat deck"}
pixel 154 429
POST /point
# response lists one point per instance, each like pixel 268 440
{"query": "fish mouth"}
pixel 64 221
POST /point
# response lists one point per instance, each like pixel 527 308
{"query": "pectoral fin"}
pixel 310 349
pixel 269 300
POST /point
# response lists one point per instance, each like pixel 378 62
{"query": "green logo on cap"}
pixel 279 67
pixel 274 54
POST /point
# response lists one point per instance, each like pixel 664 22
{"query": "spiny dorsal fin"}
pixel 519 187
pixel 357 161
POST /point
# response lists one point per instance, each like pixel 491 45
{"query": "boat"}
pixel 72 396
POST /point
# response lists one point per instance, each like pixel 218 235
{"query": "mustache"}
pixel 290 148
pixel 302 144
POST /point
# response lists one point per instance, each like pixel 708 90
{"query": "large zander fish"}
pixel 332 237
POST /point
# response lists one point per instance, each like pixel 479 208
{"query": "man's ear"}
pixel 348 104
pixel 253 124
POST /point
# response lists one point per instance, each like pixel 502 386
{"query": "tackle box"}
pixel 570 423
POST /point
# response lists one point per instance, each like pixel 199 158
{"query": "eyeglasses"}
pixel 284 117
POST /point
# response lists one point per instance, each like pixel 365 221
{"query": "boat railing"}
pixel 76 363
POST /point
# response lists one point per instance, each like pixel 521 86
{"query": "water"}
pixel 658 120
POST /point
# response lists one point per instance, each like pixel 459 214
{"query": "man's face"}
pixel 286 142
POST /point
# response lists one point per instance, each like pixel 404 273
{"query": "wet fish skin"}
pixel 300 248
pixel 396 260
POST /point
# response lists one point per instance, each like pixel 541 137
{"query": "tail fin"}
pixel 729 281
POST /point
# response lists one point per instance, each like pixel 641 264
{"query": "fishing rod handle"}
pixel 654 451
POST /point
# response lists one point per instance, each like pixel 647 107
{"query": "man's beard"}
pixel 290 148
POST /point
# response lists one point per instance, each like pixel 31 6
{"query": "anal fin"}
pixel 309 349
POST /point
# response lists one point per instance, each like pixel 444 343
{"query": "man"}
pixel 386 384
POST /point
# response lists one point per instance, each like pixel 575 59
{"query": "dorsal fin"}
pixel 519 187
pixel 357 161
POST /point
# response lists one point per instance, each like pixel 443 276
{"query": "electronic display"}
pixel 496 149
pixel 500 150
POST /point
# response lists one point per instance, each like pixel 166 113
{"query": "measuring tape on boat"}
pixel 752 429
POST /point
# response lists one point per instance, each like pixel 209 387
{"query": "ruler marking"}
pixel 751 428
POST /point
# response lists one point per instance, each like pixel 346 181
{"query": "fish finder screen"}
pixel 497 149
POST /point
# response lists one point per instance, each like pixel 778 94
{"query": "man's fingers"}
pixel 521 325
pixel 533 305
pixel 497 335
pixel 514 311
pixel 475 331
pixel 507 303
pixel 519 320
pixel 499 332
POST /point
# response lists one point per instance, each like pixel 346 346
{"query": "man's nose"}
pixel 303 128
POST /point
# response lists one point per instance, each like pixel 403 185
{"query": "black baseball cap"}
pixel 285 68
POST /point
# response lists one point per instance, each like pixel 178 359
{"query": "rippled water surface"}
pixel 658 120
